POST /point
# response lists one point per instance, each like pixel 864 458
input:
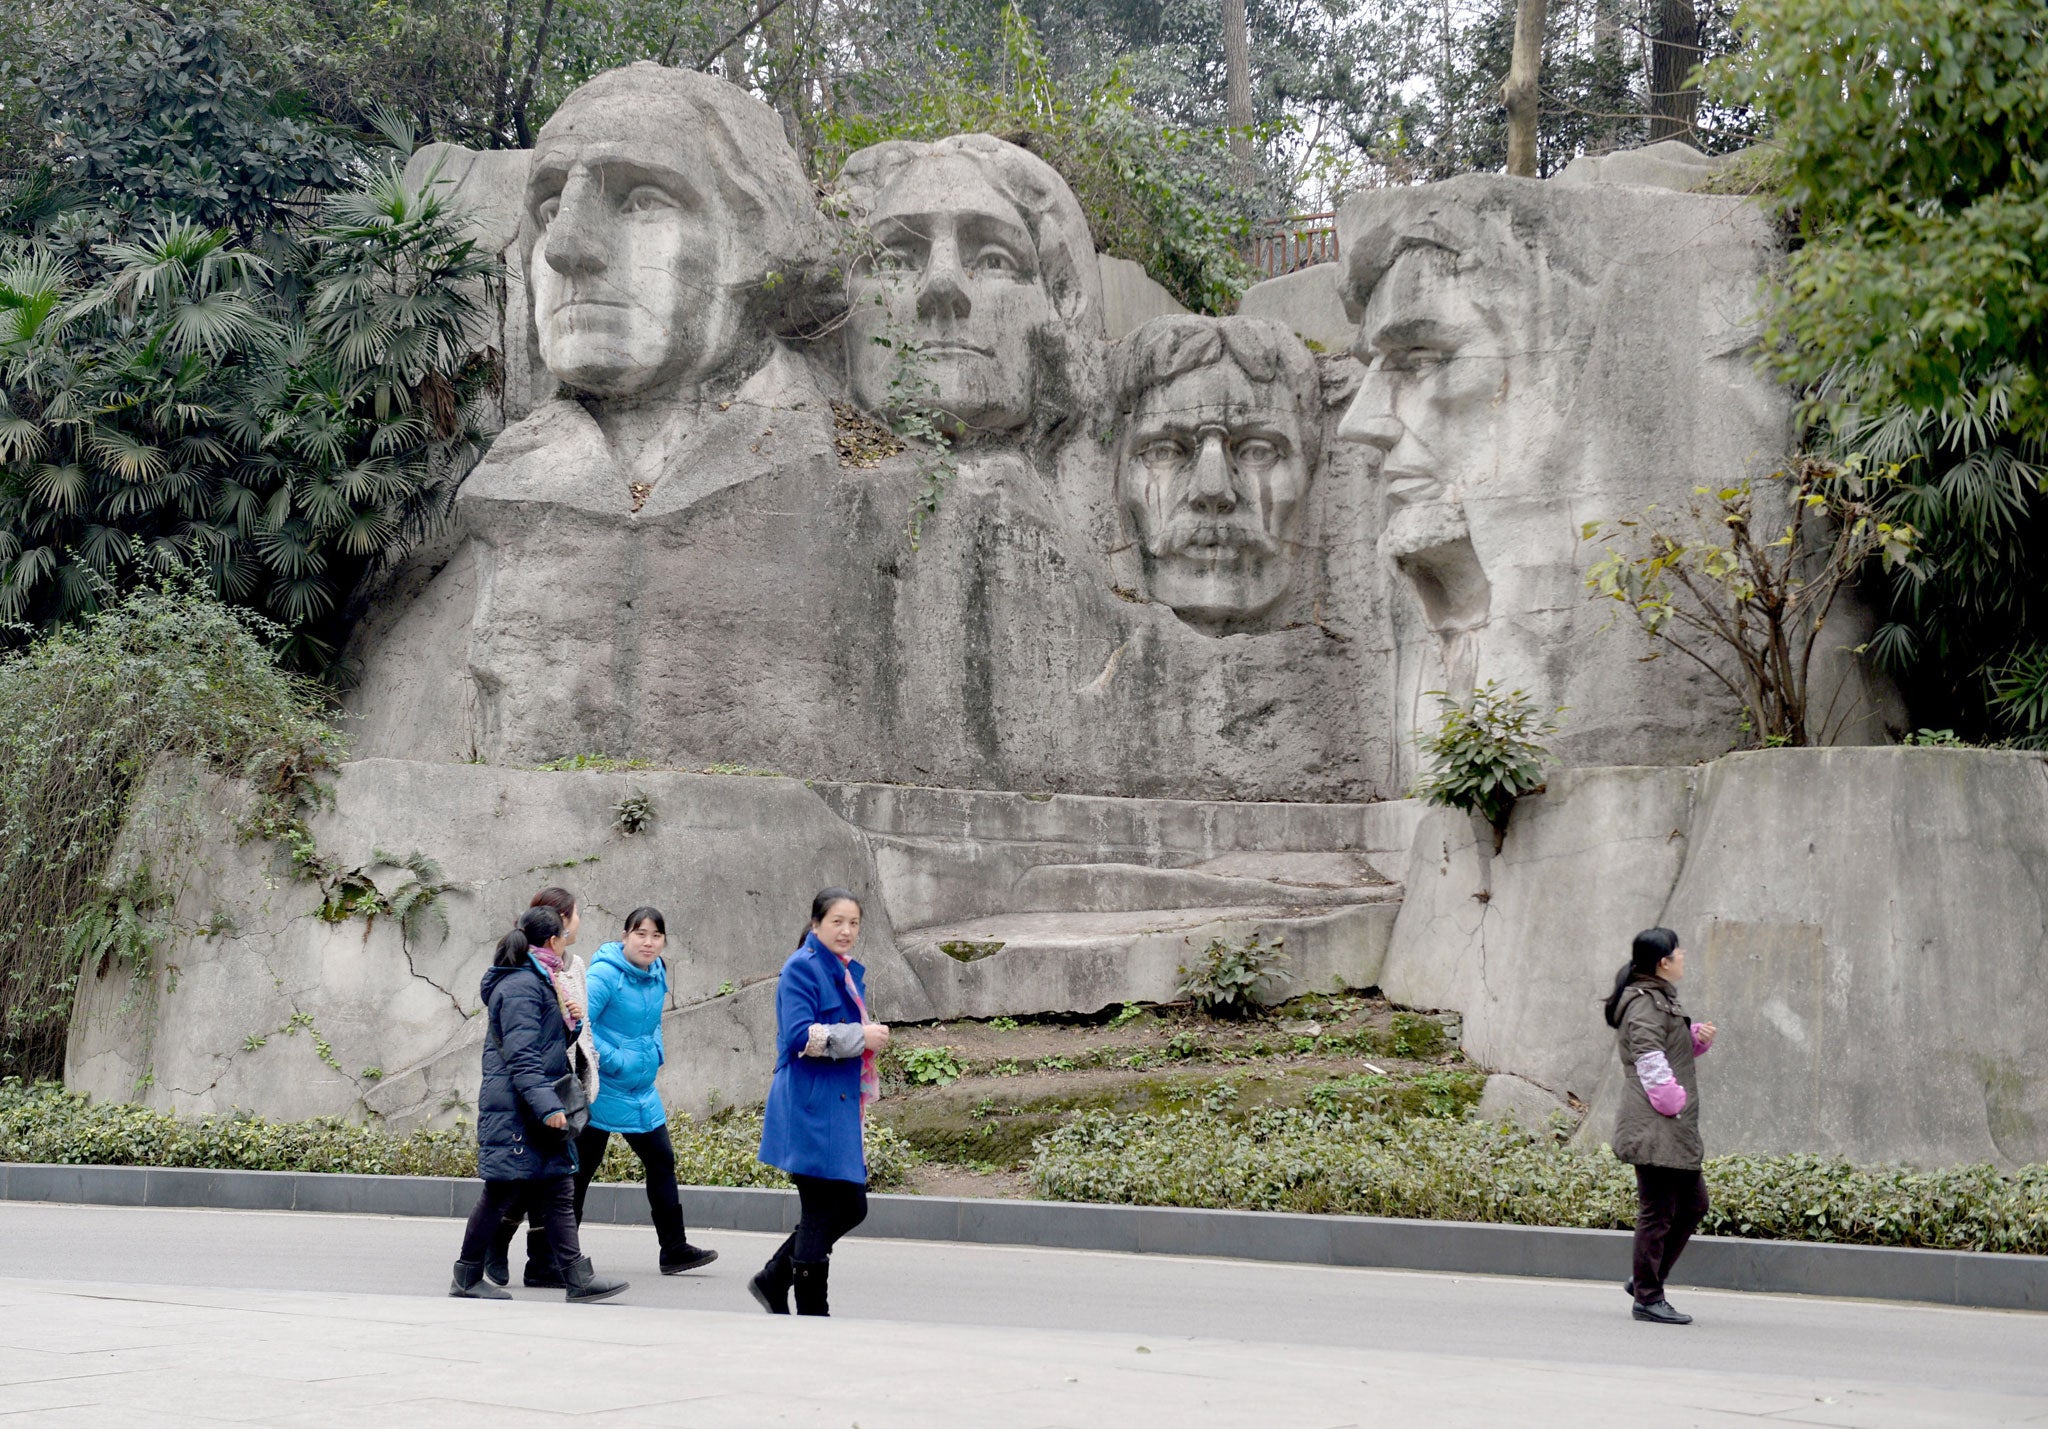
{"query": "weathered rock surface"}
pixel 1544 356
pixel 266 1006
pixel 1859 924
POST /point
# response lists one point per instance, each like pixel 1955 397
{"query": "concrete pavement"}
pixel 175 1317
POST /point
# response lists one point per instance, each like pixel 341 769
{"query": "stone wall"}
pixel 1863 925
pixel 256 981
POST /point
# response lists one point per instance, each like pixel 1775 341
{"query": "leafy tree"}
pixel 290 427
pixel 1746 592
pixel 145 111
pixel 1154 193
pixel 1912 140
pixel 226 339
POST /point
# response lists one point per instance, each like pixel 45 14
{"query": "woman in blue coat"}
pixel 826 1077
pixel 526 1153
pixel 628 988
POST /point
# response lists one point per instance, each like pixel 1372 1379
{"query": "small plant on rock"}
pixel 634 813
pixel 1487 752
pixel 931 1066
pixel 1228 978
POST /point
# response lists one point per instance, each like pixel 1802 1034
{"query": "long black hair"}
pixel 647 915
pixel 822 904
pixel 534 928
pixel 1650 948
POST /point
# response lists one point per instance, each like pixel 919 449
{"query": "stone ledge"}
pixel 1976 1279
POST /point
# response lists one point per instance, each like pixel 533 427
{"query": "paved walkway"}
pixel 146 1317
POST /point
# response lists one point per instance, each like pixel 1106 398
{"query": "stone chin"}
pixel 1223 594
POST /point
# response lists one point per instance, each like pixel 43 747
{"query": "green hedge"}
pixel 1436 1169
pixel 41 1122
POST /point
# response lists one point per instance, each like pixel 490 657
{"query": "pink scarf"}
pixel 870 1065
pixel 550 962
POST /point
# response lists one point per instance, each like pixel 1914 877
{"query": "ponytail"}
pixel 1650 948
pixel 536 926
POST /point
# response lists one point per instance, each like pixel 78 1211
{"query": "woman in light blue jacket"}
pixel 628 992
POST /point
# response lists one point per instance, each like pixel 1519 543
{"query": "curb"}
pixel 1974 1279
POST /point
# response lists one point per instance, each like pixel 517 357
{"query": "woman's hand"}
pixel 1703 1033
pixel 558 1122
pixel 573 1008
pixel 877 1036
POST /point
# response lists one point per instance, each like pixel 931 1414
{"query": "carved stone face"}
pixel 1437 402
pixel 1212 473
pixel 627 262
pixel 957 278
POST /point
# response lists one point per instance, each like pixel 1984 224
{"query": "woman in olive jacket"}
pixel 1657 1129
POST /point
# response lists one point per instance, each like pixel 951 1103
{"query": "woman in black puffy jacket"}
pixel 526 1149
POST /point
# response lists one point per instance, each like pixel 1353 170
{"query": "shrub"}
pixel 41 1122
pixel 1435 1168
pixel 84 715
pixel 1487 752
pixel 1229 976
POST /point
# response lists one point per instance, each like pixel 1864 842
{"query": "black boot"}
pixel 497 1265
pixel 1659 1312
pixel 583 1286
pixel 677 1254
pixel 541 1273
pixel 469 1283
pixel 771 1286
pixel 686 1257
pixel 810 1288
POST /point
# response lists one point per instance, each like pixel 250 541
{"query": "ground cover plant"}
pixel 1439 1168
pixel 41 1122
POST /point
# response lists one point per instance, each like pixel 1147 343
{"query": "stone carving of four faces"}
pixel 980 287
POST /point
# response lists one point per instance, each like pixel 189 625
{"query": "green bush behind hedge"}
pixel 41 1122
pixel 1438 1169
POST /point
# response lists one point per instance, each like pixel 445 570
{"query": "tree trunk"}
pixel 1674 50
pixel 1237 81
pixel 1520 91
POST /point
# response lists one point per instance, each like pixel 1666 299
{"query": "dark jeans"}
pixel 829 1210
pixel 1669 1205
pixel 551 1201
pixel 657 1156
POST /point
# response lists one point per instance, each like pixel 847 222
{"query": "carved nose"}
pixel 943 293
pixel 574 242
pixel 1371 421
pixel 1211 491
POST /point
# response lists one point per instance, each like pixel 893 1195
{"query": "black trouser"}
pixel 829 1210
pixel 1669 1204
pixel 550 1200
pixel 657 1158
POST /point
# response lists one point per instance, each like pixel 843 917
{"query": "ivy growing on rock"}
pixel 85 715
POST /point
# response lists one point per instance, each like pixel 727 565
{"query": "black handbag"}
pixel 568 1088
pixel 575 1100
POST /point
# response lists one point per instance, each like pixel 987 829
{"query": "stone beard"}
pixel 980 280
pixel 1219 445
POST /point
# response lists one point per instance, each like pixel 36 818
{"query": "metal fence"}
pixel 1287 245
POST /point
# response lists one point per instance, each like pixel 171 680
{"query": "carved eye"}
pixel 1412 359
pixel 1256 452
pixel 889 260
pixel 647 198
pixel 544 212
pixel 1165 452
pixel 994 260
